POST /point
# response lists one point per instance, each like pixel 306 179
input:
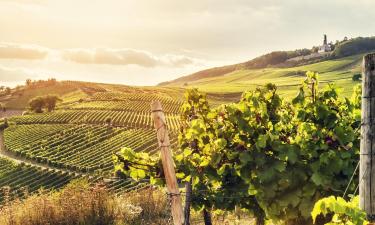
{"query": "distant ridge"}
pixel 284 59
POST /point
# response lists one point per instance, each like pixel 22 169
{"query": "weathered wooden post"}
pixel 367 157
pixel 167 160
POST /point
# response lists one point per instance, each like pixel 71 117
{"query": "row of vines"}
pixel 115 118
pixel 121 105
pixel 21 180
pixel 84 148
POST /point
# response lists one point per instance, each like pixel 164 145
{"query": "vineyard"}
pixel 23 179
pixel 264 154
pixel 84 148
pixel 80 137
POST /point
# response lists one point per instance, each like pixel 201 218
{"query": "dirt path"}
pixel 17 159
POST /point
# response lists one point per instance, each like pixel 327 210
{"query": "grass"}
pixel 21 100
pixel 82 204
pixel 72 97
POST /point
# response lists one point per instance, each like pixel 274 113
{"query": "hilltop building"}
pixel 325 47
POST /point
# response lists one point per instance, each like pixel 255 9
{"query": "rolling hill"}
pixel 338 66
pixel 340 71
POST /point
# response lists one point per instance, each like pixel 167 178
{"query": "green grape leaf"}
pixel 317 178
pixel 261 141
pixel 245 157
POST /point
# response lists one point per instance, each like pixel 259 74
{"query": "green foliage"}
pixel 38 103
pixel 266 154
pixel 340 211
pixel 136 164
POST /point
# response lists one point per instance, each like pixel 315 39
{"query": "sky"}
pixel 145 42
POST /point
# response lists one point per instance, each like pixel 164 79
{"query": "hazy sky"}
pixel 144 42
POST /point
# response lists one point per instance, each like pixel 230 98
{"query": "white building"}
pixel 325 47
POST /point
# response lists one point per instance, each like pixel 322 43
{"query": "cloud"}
pixel 108 56
pixel 27 52
pixel 124 57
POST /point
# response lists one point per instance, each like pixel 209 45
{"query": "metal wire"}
pixel 360 181
pixel 351 179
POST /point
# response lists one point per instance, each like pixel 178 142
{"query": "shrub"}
pixel 108 120
pixel 357 77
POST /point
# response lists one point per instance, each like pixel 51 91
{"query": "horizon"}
pixel 145 43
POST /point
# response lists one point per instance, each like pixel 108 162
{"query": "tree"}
pixel 8 91
pixel 50 102
pixel 315 49
pixel 36 104
pixel 108 121
pixel 4 124
pixel 28 82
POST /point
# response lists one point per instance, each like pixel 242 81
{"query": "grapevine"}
pixel 266 154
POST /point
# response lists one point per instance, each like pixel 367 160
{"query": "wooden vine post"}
pixel 188 187
pixel 167 160
pixel 367 156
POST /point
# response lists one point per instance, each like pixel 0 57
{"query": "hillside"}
pixel 339 71
pixel 78 139
pixel 74 91
pixel 338 66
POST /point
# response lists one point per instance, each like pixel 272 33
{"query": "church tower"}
pixel 325 40
pixel 325 47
